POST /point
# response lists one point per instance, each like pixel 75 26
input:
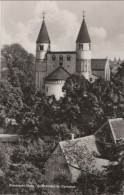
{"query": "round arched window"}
pixel 68 58
pixel 61 58
pixel 53 58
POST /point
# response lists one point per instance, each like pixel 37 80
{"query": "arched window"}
pixel 68 58
pixel 61 58
pixel 49 47
pixel 80 46
pixel 90 46
pixel 85 65
pixel 53 58
pixel 42 47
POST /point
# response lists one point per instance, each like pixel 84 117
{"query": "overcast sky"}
pixel 21 22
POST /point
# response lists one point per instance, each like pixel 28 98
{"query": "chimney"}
pixel 72 136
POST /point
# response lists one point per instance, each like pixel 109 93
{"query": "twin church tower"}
pixel 52 68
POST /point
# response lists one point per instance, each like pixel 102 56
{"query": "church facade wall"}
pixel 55 60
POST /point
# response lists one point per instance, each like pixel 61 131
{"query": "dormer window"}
pixel 41 47
pixel 61 58
pixel 53 58
pixel 68 58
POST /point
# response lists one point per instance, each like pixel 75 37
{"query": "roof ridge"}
pixel 65 70
pixel 76 139
pixel 52 73
pixel 115 119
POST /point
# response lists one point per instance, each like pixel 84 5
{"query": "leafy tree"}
pixel 36 116
pixel 63 132
pixel 10 100
pixel 17 65
pixel 80 107
pixel 110 96
pixel 22 165
pixel 115 171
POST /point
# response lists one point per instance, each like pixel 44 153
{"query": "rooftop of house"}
pixel 59 74
pixel 9 137
pixel 117 128
pixel 83 151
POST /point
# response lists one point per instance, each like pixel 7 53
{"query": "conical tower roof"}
pixel 43 36
pixel 83 36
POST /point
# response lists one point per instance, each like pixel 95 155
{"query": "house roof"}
pixel 43 36
pixel 98 64
pixel 117 128
pixel 59 74
pixel 83 36
pixel 9 137
pixel 80 151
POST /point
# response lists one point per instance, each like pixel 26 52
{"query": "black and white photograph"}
pixel 62 97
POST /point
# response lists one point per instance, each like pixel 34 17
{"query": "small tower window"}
pixel 85 65
pixel 49 47
pixel 89 46
pixel 41 47
pixel 80 46
pixel 53 58
pixel 68 58
pixel 61 58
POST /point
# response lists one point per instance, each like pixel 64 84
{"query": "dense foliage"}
pixel 83 109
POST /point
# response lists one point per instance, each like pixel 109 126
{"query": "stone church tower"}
pixel 83 52
pixel 52 68
pixel 42 47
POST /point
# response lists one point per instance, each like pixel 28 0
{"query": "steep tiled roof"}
pixel 98 64
pixel 117 128
pixel 59 74
pixel 83 36
pixel 43 36
pixel 80 150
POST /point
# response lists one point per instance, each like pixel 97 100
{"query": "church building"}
pixel 54 67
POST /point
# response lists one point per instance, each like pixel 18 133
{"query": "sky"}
pixel 21 22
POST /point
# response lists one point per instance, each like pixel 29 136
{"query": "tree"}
pixel 22 165
pixel 17 65
pixel 115 171
pixel 80 107
pixel 36 116
pixel 63 132
pixel 110 97
pixel 10 100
